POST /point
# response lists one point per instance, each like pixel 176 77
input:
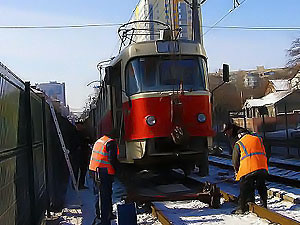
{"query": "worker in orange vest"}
pixel 250 164
pixel 103 164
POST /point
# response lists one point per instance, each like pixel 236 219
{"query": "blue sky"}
pixel 71 55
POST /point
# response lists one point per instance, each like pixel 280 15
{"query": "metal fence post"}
pixel 286 128
pixel 30 153
pixel 264 129
pixel 245 119
pixel 46 155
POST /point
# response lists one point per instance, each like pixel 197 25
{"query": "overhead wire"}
pixel 61 26
pixel 223 17
pixel 133 10
pixel 249 28
pixel 119 24
pixel 118 41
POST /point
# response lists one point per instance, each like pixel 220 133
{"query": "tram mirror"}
pixel 167 46
pixel 108 75
pixel 225 73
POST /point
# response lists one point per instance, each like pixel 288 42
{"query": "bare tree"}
pixel 294 53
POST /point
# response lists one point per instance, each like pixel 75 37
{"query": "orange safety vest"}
pixel 99 156
pixel 253 155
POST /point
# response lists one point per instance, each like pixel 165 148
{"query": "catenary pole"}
pixel 196 22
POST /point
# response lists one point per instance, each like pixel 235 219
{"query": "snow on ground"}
pixel 285 208
pixel 195 212
pixel 80 208
pixel 227 184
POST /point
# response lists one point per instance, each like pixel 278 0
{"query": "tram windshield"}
pixel 165 74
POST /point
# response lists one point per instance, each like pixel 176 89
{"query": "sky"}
pixel 71 55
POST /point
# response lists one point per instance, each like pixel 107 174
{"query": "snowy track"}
pixel 196 212
pixel 190 212
pixel 278 175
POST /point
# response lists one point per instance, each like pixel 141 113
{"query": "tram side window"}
pixel 132 71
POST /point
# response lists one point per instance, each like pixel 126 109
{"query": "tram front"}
pixel 167 110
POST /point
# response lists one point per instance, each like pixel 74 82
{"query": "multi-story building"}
pixel 54 90
pixel 251 80
pixel 176 13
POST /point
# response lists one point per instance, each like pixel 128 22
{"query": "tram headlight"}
pixel 150 120
pixel 201 118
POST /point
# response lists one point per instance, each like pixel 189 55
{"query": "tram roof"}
pixel 149 48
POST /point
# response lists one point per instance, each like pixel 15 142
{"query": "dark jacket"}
pixel 236 154
pixel 112 149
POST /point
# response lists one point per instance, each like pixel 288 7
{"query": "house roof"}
pixel 281 85
pixel 269 99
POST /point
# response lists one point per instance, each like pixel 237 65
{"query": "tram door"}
pixel 116 96
pixel 116 105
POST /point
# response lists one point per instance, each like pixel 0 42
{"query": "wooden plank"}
pixel 271 215
pixel 160 216
pixel 228 197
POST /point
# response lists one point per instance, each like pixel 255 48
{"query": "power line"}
pixel 249 28
pixel 223 17
pixel 133 10
pixel 119 24
pixel 61 26
pixel 118 41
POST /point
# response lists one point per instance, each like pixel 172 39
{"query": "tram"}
pixel 155 93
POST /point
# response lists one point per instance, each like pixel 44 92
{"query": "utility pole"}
pixel 196 21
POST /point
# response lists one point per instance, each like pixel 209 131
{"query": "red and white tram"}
pixel 155 93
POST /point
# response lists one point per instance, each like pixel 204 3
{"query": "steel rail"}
pixel 261 212
pixel 271 215
pixel 280 165
pixel 271 177
pixel 160 216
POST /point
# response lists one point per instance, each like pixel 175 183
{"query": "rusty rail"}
pixel 271 177
pixel 261 212
pixel 271 215
pixel 160 216
pixel 264 213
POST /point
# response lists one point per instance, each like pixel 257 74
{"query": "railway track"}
pixel 187 188
pixel 279 163
pixel 261 212
pixel 278 175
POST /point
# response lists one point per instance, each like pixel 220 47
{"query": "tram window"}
pixel 132 72
pixel 165 73
pixel 149 73
pixel 172 72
